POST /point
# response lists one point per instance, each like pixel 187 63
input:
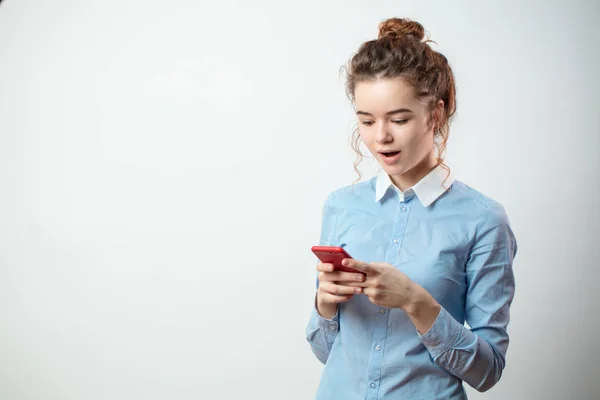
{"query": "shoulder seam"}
pixel 479 200
pixel 349 188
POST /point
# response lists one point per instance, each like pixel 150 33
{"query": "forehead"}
pixel 383 95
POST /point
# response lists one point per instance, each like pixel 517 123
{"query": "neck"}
pixel 414 175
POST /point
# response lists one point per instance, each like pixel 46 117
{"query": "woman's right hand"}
pixel 332 290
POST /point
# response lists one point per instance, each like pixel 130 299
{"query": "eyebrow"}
pixel 400 110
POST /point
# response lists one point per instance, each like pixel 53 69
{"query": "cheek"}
pixel 420 136
pixel 366 138
pixel 418 142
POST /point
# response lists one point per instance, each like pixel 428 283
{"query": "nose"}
pixel 383 136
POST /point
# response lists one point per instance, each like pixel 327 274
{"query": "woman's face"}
pixel 396 128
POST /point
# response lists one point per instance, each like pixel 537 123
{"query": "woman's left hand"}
pixel 385 285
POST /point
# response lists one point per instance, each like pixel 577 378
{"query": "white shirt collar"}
pixel 428 189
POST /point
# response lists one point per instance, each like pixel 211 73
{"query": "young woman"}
pixel 433 252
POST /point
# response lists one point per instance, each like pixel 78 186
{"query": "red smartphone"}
pixel 333 255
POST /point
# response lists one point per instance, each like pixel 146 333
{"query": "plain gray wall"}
pixel 163 167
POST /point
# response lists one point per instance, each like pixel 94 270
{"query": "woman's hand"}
pixel 334 288
pixel 387 286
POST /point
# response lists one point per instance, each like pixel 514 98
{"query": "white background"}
pixel 163 167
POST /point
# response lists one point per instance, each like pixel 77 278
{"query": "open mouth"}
pixel 390 157
pixel 390 154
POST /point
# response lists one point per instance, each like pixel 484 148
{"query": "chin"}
pixel 396 170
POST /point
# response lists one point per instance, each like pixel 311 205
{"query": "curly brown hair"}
pixel 401 51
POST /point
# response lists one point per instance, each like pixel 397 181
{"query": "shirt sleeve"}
pixel 478 355
pixel 321 332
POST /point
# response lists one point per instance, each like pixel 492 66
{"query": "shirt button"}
pixel 332 327
pixel 396 241
pixel 382 310
pixel 403 209
pixel 378 348
pixel 372 384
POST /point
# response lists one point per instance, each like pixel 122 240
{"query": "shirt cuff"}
pixel 328 325
pixel 442 335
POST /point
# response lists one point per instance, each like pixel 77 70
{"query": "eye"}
pixel 400 121
pixel 367 123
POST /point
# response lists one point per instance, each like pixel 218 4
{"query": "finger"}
pixel 332 288
pixel 367 283
pixel 361 266
pixel 324 267
pixel 339 276
pixel 372 293
pixel 333 298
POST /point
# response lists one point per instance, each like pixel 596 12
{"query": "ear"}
pixel 436 115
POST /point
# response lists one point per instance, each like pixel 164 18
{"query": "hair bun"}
pixel 397 27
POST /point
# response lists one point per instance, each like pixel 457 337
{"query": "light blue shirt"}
pixel 453 241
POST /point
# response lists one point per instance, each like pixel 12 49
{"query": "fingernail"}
pixel 359 277
pixel 357 290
